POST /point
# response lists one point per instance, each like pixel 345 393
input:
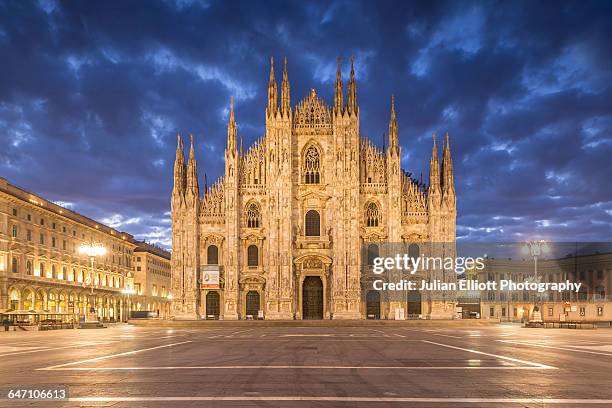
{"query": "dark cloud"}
pixel 92 95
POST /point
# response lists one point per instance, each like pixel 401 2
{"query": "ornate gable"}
pixel 312 111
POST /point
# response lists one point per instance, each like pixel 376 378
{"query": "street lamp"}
pixel 129 292
pixel 535 249
pixel 92 250
pixel 169 297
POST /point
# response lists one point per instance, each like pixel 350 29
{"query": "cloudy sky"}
pixel 92 95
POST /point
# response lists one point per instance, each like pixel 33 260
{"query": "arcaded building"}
pixel 591 303
pixel 281 235
pixel 41 268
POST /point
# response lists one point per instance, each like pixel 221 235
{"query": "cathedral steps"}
pixel 312 323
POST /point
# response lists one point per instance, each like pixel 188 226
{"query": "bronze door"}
pixel 414 303
pixel 212 305
pixel 373 304
pixel 252 303
pixel 312 298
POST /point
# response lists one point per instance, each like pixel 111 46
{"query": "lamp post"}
pixel 129 292
pixel 170 297
pixel 92 249
pixel 535 249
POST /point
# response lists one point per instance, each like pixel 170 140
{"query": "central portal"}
pixel 312 298
pixel 252 304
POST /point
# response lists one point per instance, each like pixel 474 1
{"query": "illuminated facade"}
pixel 41 268
pixel 151 280
pixel 590 303
pixel 286 224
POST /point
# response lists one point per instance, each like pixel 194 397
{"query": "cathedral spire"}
pixel 179 167
pixel 352 91
pixel 393 133
pixel 338 91
pixel 448 183
pixel 434 169
pixel 286 93
pixel 231 128
pixel 192 172
pixel 272 92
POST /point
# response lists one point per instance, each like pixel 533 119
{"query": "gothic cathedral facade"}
pixel 286 225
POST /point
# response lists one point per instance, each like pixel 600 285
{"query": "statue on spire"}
pixel 272 91
pixel 393 132
pixel 338 91
pixel 448 184
pixel 179 168
pixel 434 170
pixel 231 128
pixel 286 94
pixel 192 172
pixel 352 91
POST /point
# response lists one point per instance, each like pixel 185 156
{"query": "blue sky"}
pixel 92 95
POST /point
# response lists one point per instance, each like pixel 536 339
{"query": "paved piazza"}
pixel 367 366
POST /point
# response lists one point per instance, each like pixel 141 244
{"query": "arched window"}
pixel 252 216
pixel 53 272
pixel 312 166
pixel 212 255
pixel 74 277
pixel 14 265
pixel 28 268
pixel 313 224
pixel 372 253
pixel 42 270
pixel 64 273
pixel 372 215
pixel 252 255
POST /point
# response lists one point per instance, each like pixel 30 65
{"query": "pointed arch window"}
pixel 312 166
pixel 313 224
pixel 372 215
pixel 253 216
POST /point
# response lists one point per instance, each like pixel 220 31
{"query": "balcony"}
pixel 309 242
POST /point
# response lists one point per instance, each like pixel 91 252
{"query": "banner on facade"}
pixel 210 277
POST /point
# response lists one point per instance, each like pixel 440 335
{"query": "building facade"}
pixel 41 268
pixel 286 225
pixel 151 280
pixel 591 303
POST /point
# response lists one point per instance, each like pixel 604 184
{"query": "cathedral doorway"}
pixel 312 298
pixel 252 304
pixel 373 304
pixel 414 304
pixel 212 305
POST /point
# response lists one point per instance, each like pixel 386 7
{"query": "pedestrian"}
pixel 6 323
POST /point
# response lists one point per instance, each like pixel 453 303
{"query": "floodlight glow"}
pixel 92 250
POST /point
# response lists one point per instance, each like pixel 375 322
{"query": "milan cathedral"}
pixel 285 228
